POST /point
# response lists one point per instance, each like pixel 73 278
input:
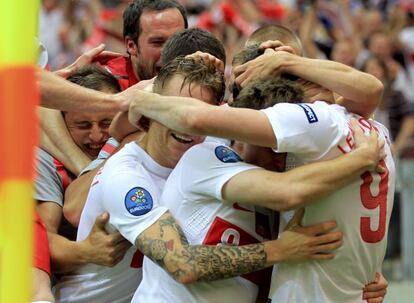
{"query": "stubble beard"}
pixel 143 71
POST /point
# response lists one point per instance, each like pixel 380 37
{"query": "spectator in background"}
pixel 51 21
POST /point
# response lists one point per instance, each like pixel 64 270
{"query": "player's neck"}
pixel 153 150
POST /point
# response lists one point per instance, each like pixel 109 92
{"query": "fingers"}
pixel 66 72
pixel 318 229
pixel 208 59
pixel 376 300
pixel 88 57
pixel 117 253
pixel 115 238
pixel 101 220
pixel 107 55
pixel 239 70
pixel 322 245
pixel 380 169
pixel 327 242
pixel 243 79
pixel 376 290
pixel 379 285
pixel 357 132
pixel 286 48
pixel 374 294
pixel 271 44
pixel 95 51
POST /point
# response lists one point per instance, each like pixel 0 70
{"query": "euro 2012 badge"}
pixel 138 201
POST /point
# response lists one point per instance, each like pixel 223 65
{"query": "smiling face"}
pixel 165 145
pixel 89 131
pixel 156 28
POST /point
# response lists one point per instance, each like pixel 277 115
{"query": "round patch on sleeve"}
pixel 226 154
pixel 138 201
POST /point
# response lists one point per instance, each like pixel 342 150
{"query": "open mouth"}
pixel 95 146
pixel 94 149
pixel 182 139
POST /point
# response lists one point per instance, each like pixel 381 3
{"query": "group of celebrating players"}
pixel 281 194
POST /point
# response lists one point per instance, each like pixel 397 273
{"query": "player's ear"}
pixel 131 46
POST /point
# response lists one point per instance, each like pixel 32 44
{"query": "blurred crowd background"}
pixel 376 36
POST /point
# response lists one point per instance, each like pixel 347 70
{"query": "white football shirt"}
pixel 361 209
pixel 192 193
pixel 128 187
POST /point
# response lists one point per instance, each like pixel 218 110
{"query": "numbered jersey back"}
pixel 361 209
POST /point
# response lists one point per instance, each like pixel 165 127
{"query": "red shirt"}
pixel 121 68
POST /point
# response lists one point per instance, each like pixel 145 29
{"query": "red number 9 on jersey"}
pixel 372 202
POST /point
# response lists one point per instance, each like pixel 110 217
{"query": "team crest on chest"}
pixel 226 154
pixel 138 201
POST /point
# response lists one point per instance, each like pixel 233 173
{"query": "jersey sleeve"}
pixel 48 184
pixel 208 166
pixel 132 203
pixel 307 130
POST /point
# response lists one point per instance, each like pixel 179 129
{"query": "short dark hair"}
pixel 275 32
pixel 94 77
pixel 132 14
pixel 193 72
pixel 189 41
pixel 263 93
pixel 247 54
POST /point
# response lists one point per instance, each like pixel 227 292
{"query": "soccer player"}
pixel 181 43
pixel 128 188
pixel 214 196
pixel 312 133
pixel 147 24
pixel 89 131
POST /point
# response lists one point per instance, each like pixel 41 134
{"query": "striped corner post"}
pixel 18 134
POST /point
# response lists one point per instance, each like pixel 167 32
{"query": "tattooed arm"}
pixel 165 244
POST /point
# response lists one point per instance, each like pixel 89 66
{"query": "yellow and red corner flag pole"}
pixel 18 134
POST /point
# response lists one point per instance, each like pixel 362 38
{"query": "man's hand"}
pixel 309 243
pixel 95 54
pixel 135 96
pixel 208 59
pixel 131 94
pixel 375 291
pixel 103 248
pixel 277 46
pixel 271 63
pixel 371 148
pixel 120 127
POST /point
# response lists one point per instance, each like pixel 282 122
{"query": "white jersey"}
pixel 193 196
pixel 128 188
pixel 361 209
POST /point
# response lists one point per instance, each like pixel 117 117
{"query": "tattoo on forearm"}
pixel 169 248
pixel 223 261
pixel 170 223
